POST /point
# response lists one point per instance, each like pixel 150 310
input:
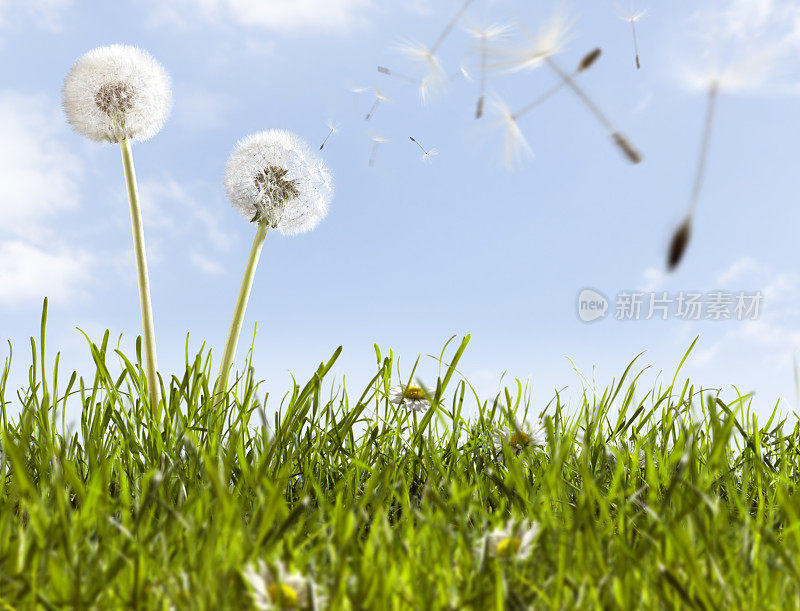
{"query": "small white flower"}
pixel 626 452
pixel 282 591
pixel 522 436
pixel 411 397
pixel 117 92
pixel 512 541
pixel 273 177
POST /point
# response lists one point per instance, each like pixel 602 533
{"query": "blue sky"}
pixel 411 252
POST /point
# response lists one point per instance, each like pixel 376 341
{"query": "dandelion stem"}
pixel 450 26
pixel 148 332
pixel 241 306
pixel 704 144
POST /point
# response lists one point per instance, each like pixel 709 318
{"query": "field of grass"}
pixel 671 498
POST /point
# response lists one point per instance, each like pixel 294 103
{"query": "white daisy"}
pixel 522 436
pixel 279 589
pixel 514 540
pixel 273 177
pixel 115 93
pixel 626 453
pixel 411 397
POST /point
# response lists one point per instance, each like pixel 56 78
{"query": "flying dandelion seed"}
pixel 682 235
pixel 434 75
pixel 515 145
pixel 485 36
pixel 632 18
pixel 550 39
pixel 376 142
pixel 428 85
pixel 426 155
pixel 586 62
pixel 620 141
pixel 379 98
pixel 334 129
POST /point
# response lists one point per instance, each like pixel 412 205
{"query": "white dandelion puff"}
pixel 274 178
pixel 115 93
pixel 411 397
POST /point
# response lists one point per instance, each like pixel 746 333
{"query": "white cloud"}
pixel 206 264
pixel 38 174
pixel 199 111
pixel 169 207
pixel 29 273
pixel 39 178
pixel 747 46
pixel 298 16
pixel 45 14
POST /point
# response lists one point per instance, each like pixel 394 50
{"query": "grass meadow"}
pixel 672 498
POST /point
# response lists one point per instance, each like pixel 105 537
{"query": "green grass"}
pixel 382 509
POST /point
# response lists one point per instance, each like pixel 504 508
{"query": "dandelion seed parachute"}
pixel 117 92
pixel 274 176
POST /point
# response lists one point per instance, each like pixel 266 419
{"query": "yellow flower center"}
pixel 282 595
pixel 508 547
pixel 519 439
pixel 414 392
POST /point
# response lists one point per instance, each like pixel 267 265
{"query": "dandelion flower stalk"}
pixel 148 330
pixel 274 180
pixel 242 298
pixel 118 94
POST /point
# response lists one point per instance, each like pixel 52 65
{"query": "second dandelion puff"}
pixel 276 181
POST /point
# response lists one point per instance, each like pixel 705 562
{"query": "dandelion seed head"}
pixel 333 126
pixel 273 177
pixel 117 92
